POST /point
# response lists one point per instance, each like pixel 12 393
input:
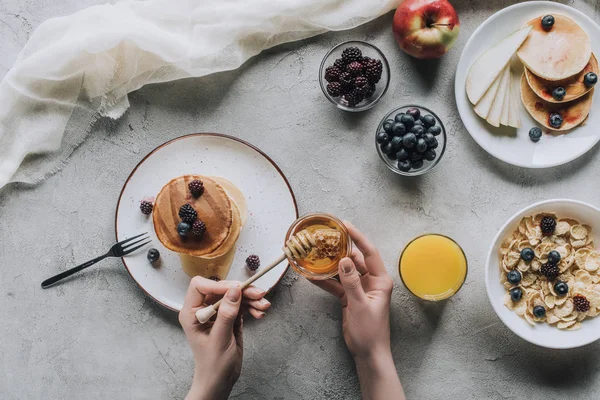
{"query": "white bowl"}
pixel 542 334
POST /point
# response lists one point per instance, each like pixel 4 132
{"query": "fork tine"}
pixel 122 242
pixel 134 243
pixel 130 250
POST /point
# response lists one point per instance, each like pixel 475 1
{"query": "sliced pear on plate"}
pixel 506 104
pixel 490 64
pixel 496 110
pixel 485 104
pixel 514 119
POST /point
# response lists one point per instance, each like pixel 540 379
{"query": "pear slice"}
pixel 506 104
pixel 485 104
pixel 496 111
pixel 514 119
pixel 490 64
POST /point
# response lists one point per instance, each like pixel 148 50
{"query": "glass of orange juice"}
pixel 433 267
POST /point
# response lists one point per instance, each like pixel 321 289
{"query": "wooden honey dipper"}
pixel 298 246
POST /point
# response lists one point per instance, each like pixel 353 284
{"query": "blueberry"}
pixel 559 93
pixel 535 134
pixel 434 145
pixel 416 164
pixel 561 288
pixel 387 125
pixel 408 121
pixel 153 255
pixel 387 148
pixel 391 155
pixel 418 122
pixel 382 137
pixel 409 140
pixel 527 254
pixel 183 228
pixel 402 155
pixel 398 129
pixel 516 294
pixel 404 166
pixel 415 156
pixel 418 130
pixel 547 22
pixel 539 312
pixel 421 146
pixel 514 277
pixel 435 130
pixel 398 117
pixel 554 257
pixel 429 138
pixel 555 120
pixel 428 120
pixel 414 112
pixel 590 79
pixel 396 142
pixel 429 155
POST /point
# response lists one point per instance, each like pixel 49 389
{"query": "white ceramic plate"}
pixel 507 144
pixel 541 334
pixel 271 209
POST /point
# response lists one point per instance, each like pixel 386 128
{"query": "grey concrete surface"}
pixel 100 337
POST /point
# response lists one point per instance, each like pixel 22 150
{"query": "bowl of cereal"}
pixel 542 273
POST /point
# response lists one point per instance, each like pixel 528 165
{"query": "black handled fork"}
pixel 120 249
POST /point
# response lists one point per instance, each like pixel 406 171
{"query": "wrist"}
pixel 375 361
pixel 203 390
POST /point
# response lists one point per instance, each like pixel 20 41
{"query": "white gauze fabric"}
pixel 77 68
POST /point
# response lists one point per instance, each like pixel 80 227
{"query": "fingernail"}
pixel 265 302
pixel 262 315
pixel 234 294
pixel 346 265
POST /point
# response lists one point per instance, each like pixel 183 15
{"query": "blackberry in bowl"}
pixel 410 140
pixel 354 75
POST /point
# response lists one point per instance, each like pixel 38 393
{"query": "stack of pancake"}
pixel 223 209
pixel 559 57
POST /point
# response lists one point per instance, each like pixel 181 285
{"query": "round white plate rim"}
pixel 459 86
pixel 205 134
pixel 496 305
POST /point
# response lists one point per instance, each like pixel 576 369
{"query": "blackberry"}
pixel 146 207
pixel 354 68
pixel 581 303
pixel 370 91
pixel 340 64
pixel 253 262
pixel 550 271
pixel 334 89
pixel 214 278
pixel 351 54
pixel 332 74
pixel 187 213
pixel 373 70
pixel 362 85
pixel 196 187
pixel 354 97
pixel 198 228
pixel 365 60
pixel 346 79
pixel 548 225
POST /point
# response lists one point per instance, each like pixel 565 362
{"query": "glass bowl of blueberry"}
pixel 410 140
pixel 354 75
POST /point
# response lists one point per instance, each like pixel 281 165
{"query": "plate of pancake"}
pixel 247 206
pixel 511 76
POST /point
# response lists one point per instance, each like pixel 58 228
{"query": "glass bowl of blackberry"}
pixel 354 75
pixel 410 140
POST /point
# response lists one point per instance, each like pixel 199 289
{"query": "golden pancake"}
pixel 574 85
pixel 559 53
pixel 210 267
pixel 214 208
pixel 573 113
pixel 229 242
pixel 236 195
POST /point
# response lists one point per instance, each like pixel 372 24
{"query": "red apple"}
pixel 426 28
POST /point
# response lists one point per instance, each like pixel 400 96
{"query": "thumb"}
pixel 222 330
pixel 350 279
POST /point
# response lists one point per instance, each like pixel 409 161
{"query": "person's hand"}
pixel 218 346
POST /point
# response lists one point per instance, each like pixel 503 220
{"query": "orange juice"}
pixel 433 267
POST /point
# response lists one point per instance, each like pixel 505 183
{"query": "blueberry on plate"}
pixel 408 121
pixel 418 122
pixel 414 112
pixel 398 117
pixel 429 155
pixel 434 144
pixel 421 146
pixel 415 156
pixel 547 22
pixel 561 288
pixel 398 129
pixel 435 130
pixel 387 148
pixel 514 277
pixel 590 79
pixel 535 134
pixel 417 130
pixel 404 166
pixel 516 294
pixel 539 312
pixel 429 138
pixel 183 228
pixel 153 255
pixel 559 93
pixel 402 155
pixel 409 140
pixel 554 257
pixel 527 254
pixel 382 137
pixel 396 142
pixel 416 164
pixel 428 120
pixel 555 120
pixel 387 125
